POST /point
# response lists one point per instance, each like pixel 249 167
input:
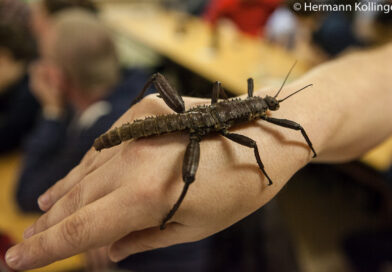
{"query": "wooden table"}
pixel 238 58
pixel 12 221
pixel 380 158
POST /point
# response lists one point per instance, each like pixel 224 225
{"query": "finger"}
pixel 81 194
pixel 91 161
pixel 83 230
pixel 150 239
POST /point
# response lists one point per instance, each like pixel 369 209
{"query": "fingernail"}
pixel 12 258
pixel 43 201
pixel 28 232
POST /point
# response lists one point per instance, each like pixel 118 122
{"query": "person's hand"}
pixel 45 85
pixel 119 196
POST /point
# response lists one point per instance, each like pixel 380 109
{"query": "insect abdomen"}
pixel 142 128
pixel 111 138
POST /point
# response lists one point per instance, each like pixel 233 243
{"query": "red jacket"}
pixel 249 15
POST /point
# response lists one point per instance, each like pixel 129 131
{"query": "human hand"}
pixel 44 83
pixel 118 197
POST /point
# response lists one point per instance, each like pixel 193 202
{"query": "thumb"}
pixel 149 239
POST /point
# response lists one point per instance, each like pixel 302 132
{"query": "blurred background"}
pixel 70 68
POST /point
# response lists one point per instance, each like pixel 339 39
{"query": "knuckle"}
pixel 153 103
pixel 148 194
pixel 139 150
pixel 74 199
pixel 151 196
pixel 74 231
pixel 131 115
pixel 150 99
pixel 43 247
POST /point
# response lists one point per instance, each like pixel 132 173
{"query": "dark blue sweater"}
pixel 18 112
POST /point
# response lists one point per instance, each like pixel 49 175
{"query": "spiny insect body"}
pixel 200 121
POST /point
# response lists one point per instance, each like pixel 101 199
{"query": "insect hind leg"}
pixel 166 92
pixel 246 141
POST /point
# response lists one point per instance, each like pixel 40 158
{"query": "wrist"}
pixel 310 111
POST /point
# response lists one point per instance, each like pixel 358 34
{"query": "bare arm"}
pixel 118 197
pixel 352 109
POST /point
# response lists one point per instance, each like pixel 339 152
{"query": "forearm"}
pixel 349 108
pixel 361 85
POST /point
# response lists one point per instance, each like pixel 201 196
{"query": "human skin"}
pixel 118 197
pixel 46 87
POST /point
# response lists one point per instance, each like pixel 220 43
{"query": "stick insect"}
pixel 199 121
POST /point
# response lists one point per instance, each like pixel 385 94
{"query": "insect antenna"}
pixel 284 82
pixel 295 93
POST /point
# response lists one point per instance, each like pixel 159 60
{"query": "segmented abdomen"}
pixel 153 126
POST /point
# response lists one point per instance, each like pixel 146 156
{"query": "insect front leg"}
pixel 189 168
pixel 217 90
pixel 166 92
pixel 292 125
pixel 246 141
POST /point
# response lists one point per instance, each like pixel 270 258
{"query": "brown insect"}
pixel 200 121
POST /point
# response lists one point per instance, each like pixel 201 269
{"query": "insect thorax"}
pixel 238 110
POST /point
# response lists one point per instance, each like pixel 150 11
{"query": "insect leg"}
pixel 166 92
pixel 217 90
pixel 292 125
pixel 189 168
pixel 250 87
pixel 246 141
